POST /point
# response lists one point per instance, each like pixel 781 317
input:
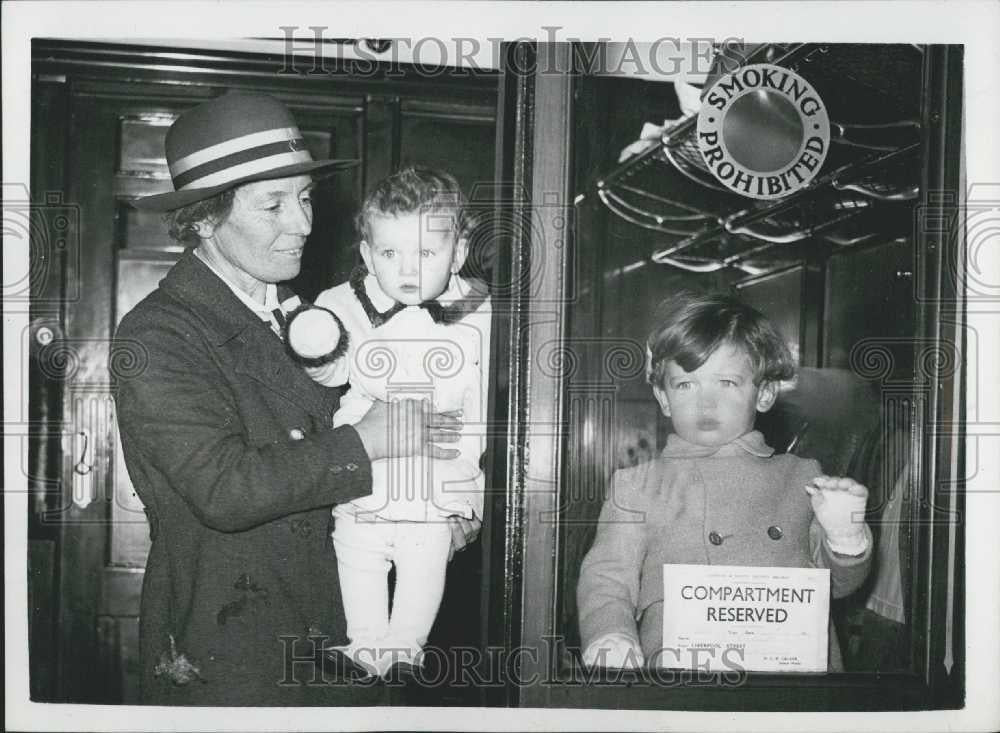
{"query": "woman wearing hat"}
pixel 229 443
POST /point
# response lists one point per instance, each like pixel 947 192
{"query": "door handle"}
pixel 83 469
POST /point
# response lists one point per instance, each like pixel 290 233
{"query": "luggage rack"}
pixel 844 207
pixel 646 190
pixel 873 163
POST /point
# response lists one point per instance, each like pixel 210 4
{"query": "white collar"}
pixel 752 443
pixel 458 289
pixel 270 291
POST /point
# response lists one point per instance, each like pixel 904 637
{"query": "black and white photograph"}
pixel 501 366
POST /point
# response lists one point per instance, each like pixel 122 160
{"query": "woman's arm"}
pixel 179 417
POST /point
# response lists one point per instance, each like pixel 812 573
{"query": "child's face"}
pixel 717 402
pixel 413 256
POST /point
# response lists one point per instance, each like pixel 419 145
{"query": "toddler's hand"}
pixel 839 505
pixel 614 650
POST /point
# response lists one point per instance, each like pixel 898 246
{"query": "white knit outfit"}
pixel 404 521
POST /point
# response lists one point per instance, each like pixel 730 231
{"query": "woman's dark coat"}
pixel 229 446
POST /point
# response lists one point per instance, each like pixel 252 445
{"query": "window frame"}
pixel 532 551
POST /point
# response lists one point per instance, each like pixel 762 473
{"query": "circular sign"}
pixel 763 131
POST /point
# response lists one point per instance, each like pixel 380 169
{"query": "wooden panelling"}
pixel 869 296
pixel 318 142
pixel 129 528
pixel 122 588
pixel 41 617
pixel 104 667
pixel 551 182
pixel 128 655
pixel 381 138
pixel 45 289
pixel 151 63
pixel 141 150
pixel 143 230
pixel 779 297
pixel 336 131
pixel 462 145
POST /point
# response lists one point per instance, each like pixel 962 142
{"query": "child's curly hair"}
pixel 415 189
pixel 691 326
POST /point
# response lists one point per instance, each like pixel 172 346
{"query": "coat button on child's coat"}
pixel 715 538
pixel 774 532
pixel 296 434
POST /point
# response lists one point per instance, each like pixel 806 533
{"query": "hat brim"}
pixel 176 199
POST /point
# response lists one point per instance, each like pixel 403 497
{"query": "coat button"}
pixel 774 532
pixel 715 538
pixel 335 468
pixel 352 466
pixel 296 434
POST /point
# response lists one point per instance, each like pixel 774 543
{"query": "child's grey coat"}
pixel 669 509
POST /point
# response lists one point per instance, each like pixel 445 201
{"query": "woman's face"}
pixel 717 402
pixel 262 239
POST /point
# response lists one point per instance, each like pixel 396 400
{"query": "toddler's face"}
pixel 413 256
pixel 717 402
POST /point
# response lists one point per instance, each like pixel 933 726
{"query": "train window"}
pixel 836 268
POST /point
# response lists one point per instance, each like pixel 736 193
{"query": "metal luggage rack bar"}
pixel 825 208
pixel 647 192
pixel 892 177
pixel 751 256
pixel 876 223
pixel 797 217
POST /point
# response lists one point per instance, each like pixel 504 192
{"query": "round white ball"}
pixel 313 333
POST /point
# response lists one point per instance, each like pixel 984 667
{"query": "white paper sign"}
pixel 729 618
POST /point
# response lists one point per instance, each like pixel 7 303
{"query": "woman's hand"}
pixel 406 428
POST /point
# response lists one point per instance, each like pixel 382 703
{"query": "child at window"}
pixel 405 325
pixel 717 495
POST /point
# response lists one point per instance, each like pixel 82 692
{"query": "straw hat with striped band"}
pixel 236 138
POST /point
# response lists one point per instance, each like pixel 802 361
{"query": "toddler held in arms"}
pixel 406 325
pixel 717 494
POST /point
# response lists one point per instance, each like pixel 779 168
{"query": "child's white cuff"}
pixel 616 649
pixel 852 543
